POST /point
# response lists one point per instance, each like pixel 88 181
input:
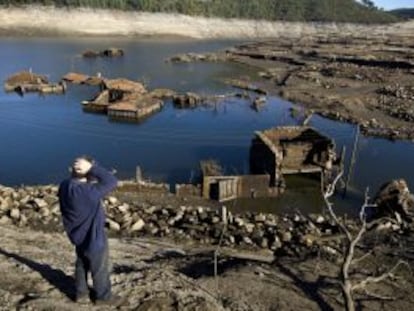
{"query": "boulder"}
pixel 15 213
pixel 394 197
pixel 113 225
pixel 286 236
pixel 4 204
pixel 249 227
pixel 4 220
pixel 138 225
pixel 123 208
pixel 40 203
pixel 45 212
pixel 260 218
pixel 112 200
pixel 276 244
pixel 239 221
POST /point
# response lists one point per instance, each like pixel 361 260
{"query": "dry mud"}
pixel 152 274
pixel 366 80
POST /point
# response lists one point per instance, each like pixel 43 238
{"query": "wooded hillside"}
pixel 404 13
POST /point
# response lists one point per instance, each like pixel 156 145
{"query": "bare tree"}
pixel 348 285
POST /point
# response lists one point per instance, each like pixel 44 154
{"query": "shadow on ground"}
pixel 309 288
pixel 204 267
pixel 55 277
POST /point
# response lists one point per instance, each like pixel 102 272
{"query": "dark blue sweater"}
pixel 82 212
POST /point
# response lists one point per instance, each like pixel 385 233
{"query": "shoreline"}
pixel 30 21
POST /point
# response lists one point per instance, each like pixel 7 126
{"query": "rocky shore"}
pixel 37 207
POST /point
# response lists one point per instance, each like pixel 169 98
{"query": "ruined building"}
pixel 291 150
pixel 274 153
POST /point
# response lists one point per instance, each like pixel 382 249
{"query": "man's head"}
pixel 81 167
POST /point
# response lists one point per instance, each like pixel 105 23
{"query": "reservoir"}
pixel 40 136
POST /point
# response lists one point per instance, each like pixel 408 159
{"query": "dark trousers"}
pixel 97 263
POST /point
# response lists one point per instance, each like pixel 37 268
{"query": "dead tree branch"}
pixel 387 275
pixel 347 285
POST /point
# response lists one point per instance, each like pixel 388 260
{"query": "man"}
pixel 84 222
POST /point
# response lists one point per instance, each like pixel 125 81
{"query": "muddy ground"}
pixel 360 79
pixel 157 274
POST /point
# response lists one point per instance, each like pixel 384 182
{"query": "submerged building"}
pixel 123 99
pixel 291 150
pixel 274 153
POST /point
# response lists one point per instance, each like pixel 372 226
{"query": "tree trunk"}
pixel 347 294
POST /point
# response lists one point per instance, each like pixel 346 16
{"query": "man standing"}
pixel 84 221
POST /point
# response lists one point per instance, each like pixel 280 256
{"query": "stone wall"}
pixel 129 186
pixel 256 186
pixel 183 190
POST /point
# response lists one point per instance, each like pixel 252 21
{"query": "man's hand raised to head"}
pixel 81 166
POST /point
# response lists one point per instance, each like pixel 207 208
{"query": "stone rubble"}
pixel 38 207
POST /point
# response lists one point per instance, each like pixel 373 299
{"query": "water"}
pixel 41 135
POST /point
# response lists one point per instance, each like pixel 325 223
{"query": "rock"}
pixel 25 200
pixel 55 209
pixel 15 213
pixel 113 225
pixel 308 240
pixel 40 203
pixel 249 227
pixel 123 208
pixel 384 226
pixel 154 230
pixel 138 225
pixel 260 218
pixel 231 239
pixel 23 220
pixel 4 204
pixel 264 243
pixel 286 236
pixel 320 219
pixel 151 209
pixel 215 220
pixel 395 197
pixel 45 212
pixel 329 250
pixel 203 216
pixel 112 200
pixel 4 220
pixel 276 244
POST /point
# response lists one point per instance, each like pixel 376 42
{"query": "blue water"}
pixel 39 136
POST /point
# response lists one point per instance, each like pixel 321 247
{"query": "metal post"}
pixel 215 272
pixel 138 174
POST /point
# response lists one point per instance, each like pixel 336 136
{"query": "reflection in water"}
pixel 41 135
pixel 302 193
